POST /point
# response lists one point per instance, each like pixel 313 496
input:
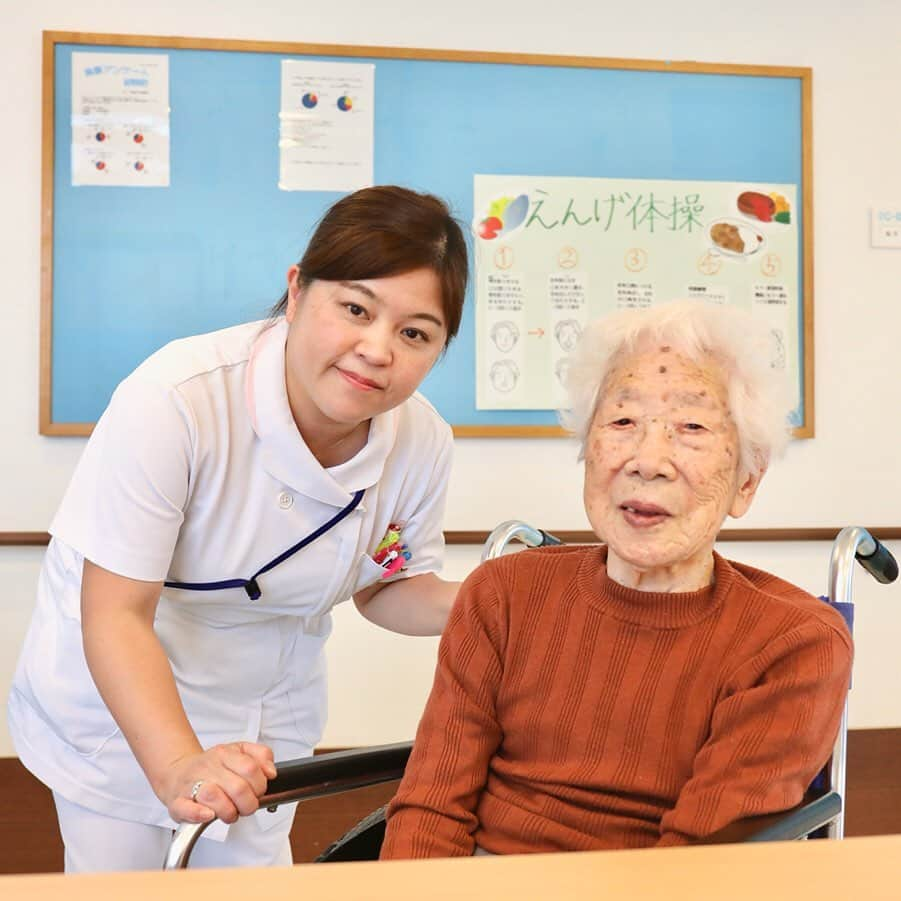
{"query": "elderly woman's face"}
pixel 662 469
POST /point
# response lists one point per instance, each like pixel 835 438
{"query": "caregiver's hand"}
pixel 225 781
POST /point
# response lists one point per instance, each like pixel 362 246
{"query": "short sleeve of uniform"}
pixel 422 505
pixel 124 506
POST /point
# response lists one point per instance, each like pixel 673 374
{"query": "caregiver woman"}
pixel 237 487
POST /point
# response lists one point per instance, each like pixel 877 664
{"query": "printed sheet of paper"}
pixel 120 119
pixel 326 126
pixel 552 253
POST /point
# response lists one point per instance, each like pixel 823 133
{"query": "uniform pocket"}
pixel 368 572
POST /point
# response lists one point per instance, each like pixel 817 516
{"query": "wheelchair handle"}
pixel 856 543
pixel 852 543
pixel 503 534
pixel 879 562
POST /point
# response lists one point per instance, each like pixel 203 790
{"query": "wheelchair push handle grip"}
pixel 548 539
pixel 880 564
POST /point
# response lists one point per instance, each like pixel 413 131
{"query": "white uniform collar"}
pixel 285 455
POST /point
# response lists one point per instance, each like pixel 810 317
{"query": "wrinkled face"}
pixel 661 461
pixel 356 349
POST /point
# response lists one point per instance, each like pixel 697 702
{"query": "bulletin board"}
pixel 125 269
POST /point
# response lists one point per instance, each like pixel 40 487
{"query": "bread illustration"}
pixel 727 236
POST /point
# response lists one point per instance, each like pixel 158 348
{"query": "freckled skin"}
pixel 663 436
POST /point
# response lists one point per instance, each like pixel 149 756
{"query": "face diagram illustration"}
pixel 561 370
pixel 567 332
pixel 504 335
pixel 504 376
pixel 777 349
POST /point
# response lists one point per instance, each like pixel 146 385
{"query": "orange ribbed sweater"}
pixel 570 713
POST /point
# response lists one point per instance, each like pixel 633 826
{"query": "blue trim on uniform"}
pixel 251 586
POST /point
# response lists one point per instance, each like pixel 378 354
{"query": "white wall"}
pixel 848 473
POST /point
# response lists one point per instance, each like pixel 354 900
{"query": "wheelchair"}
pixel 820 815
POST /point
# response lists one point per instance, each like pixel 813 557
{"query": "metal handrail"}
pixel 852 543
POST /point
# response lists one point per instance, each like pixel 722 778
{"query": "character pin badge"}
pixel 391 553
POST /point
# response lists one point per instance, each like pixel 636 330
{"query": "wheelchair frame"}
pixel 327 774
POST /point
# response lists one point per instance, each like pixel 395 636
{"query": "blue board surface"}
pixel 136 267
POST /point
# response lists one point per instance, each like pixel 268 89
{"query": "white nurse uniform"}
pixel 197 473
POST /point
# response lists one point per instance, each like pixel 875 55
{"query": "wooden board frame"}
pixel 52 38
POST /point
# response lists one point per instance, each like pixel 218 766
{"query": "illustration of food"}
pixel 138 138
pixel 783 208
pixel 139 166
pixel 100 165
pixel 516 212
pixel 727 236
pixel 309 100
pixel 100 136
pixel 503 215
pixel 489 228
pixel 345 103
pixel 760 206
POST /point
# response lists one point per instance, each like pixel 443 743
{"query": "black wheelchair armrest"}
pixel 329 774
pixel 309 777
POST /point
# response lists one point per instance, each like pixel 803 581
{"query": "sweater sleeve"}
pixel 771 733
pixel 433 812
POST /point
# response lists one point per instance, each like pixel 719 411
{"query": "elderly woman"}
pixel 646 691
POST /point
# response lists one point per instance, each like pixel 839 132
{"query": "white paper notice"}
pixel 552 253
pixel 326 126
pixel 120 119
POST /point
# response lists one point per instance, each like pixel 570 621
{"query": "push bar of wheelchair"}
pixel 308 777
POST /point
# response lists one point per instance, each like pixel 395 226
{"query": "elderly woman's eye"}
pixel 622 421
pixel 693 427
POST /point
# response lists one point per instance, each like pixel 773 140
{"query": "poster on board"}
pixel 120 120
pixel 326 126
pixel 553 253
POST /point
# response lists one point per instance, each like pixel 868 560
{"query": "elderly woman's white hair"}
pixel 760 397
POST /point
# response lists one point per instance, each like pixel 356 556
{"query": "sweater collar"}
pixel 657 610
pixel 286 456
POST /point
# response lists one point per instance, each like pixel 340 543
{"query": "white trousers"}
pixel 97 843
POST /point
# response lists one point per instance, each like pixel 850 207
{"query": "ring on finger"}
pixel 196 788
